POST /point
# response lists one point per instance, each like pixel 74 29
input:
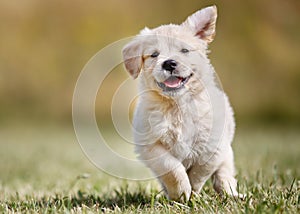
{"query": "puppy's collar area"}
pixel 173 83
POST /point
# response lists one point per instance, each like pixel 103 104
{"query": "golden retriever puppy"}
pixel 183 122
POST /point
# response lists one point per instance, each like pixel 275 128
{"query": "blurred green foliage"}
pixel 45 44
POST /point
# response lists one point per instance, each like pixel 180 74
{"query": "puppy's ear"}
pixel 132 56
pixel 203 23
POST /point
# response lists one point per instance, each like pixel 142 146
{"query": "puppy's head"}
pixel 172 58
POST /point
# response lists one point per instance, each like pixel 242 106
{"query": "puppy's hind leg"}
pixel 198 175
pixel 223 178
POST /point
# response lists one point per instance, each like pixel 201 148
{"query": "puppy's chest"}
pixel 185 133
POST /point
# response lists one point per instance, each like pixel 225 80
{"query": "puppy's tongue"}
pixel 173 82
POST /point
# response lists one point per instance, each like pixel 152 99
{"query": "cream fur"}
pixel 183 136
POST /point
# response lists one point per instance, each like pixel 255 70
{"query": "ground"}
pixel 43 170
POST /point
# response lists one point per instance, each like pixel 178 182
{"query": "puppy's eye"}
pixel 155 54
pixel 184 50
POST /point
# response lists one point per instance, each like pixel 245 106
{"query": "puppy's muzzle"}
pixel 174 81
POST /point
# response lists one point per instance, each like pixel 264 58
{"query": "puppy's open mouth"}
pixel 173 83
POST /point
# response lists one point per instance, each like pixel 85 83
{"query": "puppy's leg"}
pixel 223 178
pixel 172 174
pixel 177 184
pixel 198 175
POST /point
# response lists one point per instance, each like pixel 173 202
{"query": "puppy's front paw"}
pixel 181 192
pixel 240 196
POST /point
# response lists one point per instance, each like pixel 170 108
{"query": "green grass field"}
pixel 43 170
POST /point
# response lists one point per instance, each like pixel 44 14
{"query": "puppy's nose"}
pixel 169 65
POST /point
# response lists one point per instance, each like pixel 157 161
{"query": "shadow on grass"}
pixel 121 199
pixel 118 200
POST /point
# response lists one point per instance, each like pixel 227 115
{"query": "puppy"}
pixel 183 122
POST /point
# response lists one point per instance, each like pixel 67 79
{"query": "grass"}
pixel 43 170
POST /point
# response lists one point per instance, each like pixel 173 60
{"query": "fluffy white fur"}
pixel 184 136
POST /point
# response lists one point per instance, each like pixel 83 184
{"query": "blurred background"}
pixel 45 44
